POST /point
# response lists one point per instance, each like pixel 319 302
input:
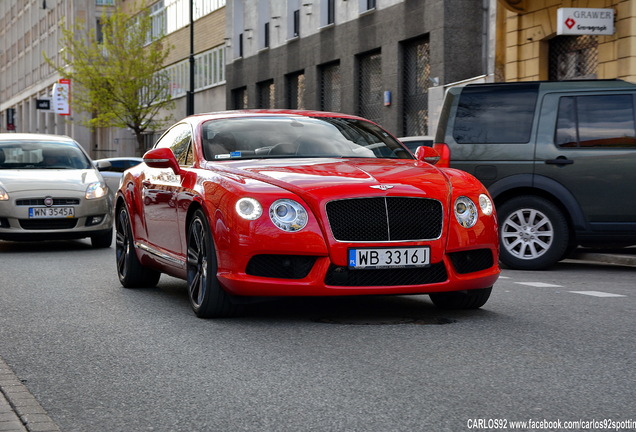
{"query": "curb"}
pixel 19 410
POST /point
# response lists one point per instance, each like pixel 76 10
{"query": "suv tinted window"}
pixel 596 121
pixel 492 115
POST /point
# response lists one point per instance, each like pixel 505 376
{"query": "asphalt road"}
pixel 555 345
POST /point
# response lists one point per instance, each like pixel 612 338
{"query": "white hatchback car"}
pixel 50 189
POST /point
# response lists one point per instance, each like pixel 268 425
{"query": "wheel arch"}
pixel 544 187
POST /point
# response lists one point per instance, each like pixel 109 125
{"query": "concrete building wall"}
pixel 456 29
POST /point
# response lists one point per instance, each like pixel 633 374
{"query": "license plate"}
pixel 380 258
pixel 51 212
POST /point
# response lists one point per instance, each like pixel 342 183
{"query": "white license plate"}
pixel 51 212
pixel 378 258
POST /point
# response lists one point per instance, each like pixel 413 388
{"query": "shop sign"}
pixel 585 21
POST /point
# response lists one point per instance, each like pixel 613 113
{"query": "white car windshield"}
pixel 42 155
pixel 276 137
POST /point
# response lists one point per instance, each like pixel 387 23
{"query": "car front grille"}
pixel 48 224
pixel 40 201
pixel 385 219
pixel 342 276
pixel 472 260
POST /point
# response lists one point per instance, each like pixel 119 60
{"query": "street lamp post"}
pixel 190 94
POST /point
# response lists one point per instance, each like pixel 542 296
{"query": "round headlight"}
pixel 288 215
pixel 249 208
pixel 486 204
pixel 465 212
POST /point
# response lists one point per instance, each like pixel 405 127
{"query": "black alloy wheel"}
pixel 130 271
pixel 207 298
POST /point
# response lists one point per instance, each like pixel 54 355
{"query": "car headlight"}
pixel 288 215
pixel 465 211
pixel 486 204
pixel 4 196
pixel 96 190
pixel 249 208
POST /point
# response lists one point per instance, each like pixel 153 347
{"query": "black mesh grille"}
pixel 40 201
pixel 280 266
pixel 47 224
pixel 4 223
pixel 385 219
pixel 342 276
pixel 472 261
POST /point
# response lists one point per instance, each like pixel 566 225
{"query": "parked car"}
pixel 559 159
pixel 413 142
pixel 50 189
pixel 112 169
pixel 298 203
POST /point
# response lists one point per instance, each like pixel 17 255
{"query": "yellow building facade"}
pixel 528 47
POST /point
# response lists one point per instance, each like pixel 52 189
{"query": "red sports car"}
pixel 302 203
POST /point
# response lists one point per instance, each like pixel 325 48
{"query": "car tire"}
pixel 130 271
pixel 468 299
pixel 102 240
pixel 533 233
pixel 207 298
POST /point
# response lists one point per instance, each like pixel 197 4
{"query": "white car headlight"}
pixel 4 196
pixel 288 215
pixel 486 204
pixel 465 212
pixel 96 190
pixel 249 208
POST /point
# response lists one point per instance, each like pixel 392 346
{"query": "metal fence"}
pixel 330 87
pixel 573 57
pixel 417 73
pixel 370 95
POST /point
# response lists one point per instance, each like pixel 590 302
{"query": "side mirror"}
pixel 427 154
pixel 162 158
pixel 103 165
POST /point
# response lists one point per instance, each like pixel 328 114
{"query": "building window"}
pixel 573 57
pixel 266 94
pixel 330 87
pixel 417 71
pixel 296 91
pixel 169 16
pixel 366 5
pixel 327 12
pixel 296 23
pixel 266 35
pixel 370 95
pixel 239 98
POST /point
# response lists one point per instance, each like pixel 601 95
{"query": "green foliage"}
pixel 118 80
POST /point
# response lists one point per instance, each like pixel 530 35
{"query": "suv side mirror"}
pixel 103 165
pixel 162 158
pixel 427 154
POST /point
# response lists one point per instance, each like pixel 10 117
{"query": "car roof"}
pixel 563 85
pixel 35 137
pixel 273 113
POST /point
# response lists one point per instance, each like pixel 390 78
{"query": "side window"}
pixel 488 114
pixel 178 139
pixel 604 121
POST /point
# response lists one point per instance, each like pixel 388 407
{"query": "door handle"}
pixel 561 160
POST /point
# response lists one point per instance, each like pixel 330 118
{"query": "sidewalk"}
pixel 19 410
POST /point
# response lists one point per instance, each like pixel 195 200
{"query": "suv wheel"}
pixel 533 233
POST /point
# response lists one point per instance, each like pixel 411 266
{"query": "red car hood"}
pixel 338 178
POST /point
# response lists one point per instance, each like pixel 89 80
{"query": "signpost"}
pixel 585 21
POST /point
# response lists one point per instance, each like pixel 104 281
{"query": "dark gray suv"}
pixel 559 158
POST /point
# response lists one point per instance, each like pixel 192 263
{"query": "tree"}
pixel 118 79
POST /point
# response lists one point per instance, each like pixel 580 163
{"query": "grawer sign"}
pixel 585 21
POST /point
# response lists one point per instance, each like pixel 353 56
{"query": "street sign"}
pixel 585 21
pixel 62 97
pixel 43 104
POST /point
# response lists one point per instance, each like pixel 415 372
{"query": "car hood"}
pixel 333 179
pixel 38 179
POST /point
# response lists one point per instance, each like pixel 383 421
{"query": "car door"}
pixel 587 143
pixel 161 189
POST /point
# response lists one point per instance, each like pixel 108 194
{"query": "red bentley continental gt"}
pixel 301 203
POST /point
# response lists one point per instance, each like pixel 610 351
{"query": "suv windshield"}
pixel 275 137
pixel 41 155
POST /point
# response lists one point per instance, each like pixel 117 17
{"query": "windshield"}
pixel 42 155
pixel 276 137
